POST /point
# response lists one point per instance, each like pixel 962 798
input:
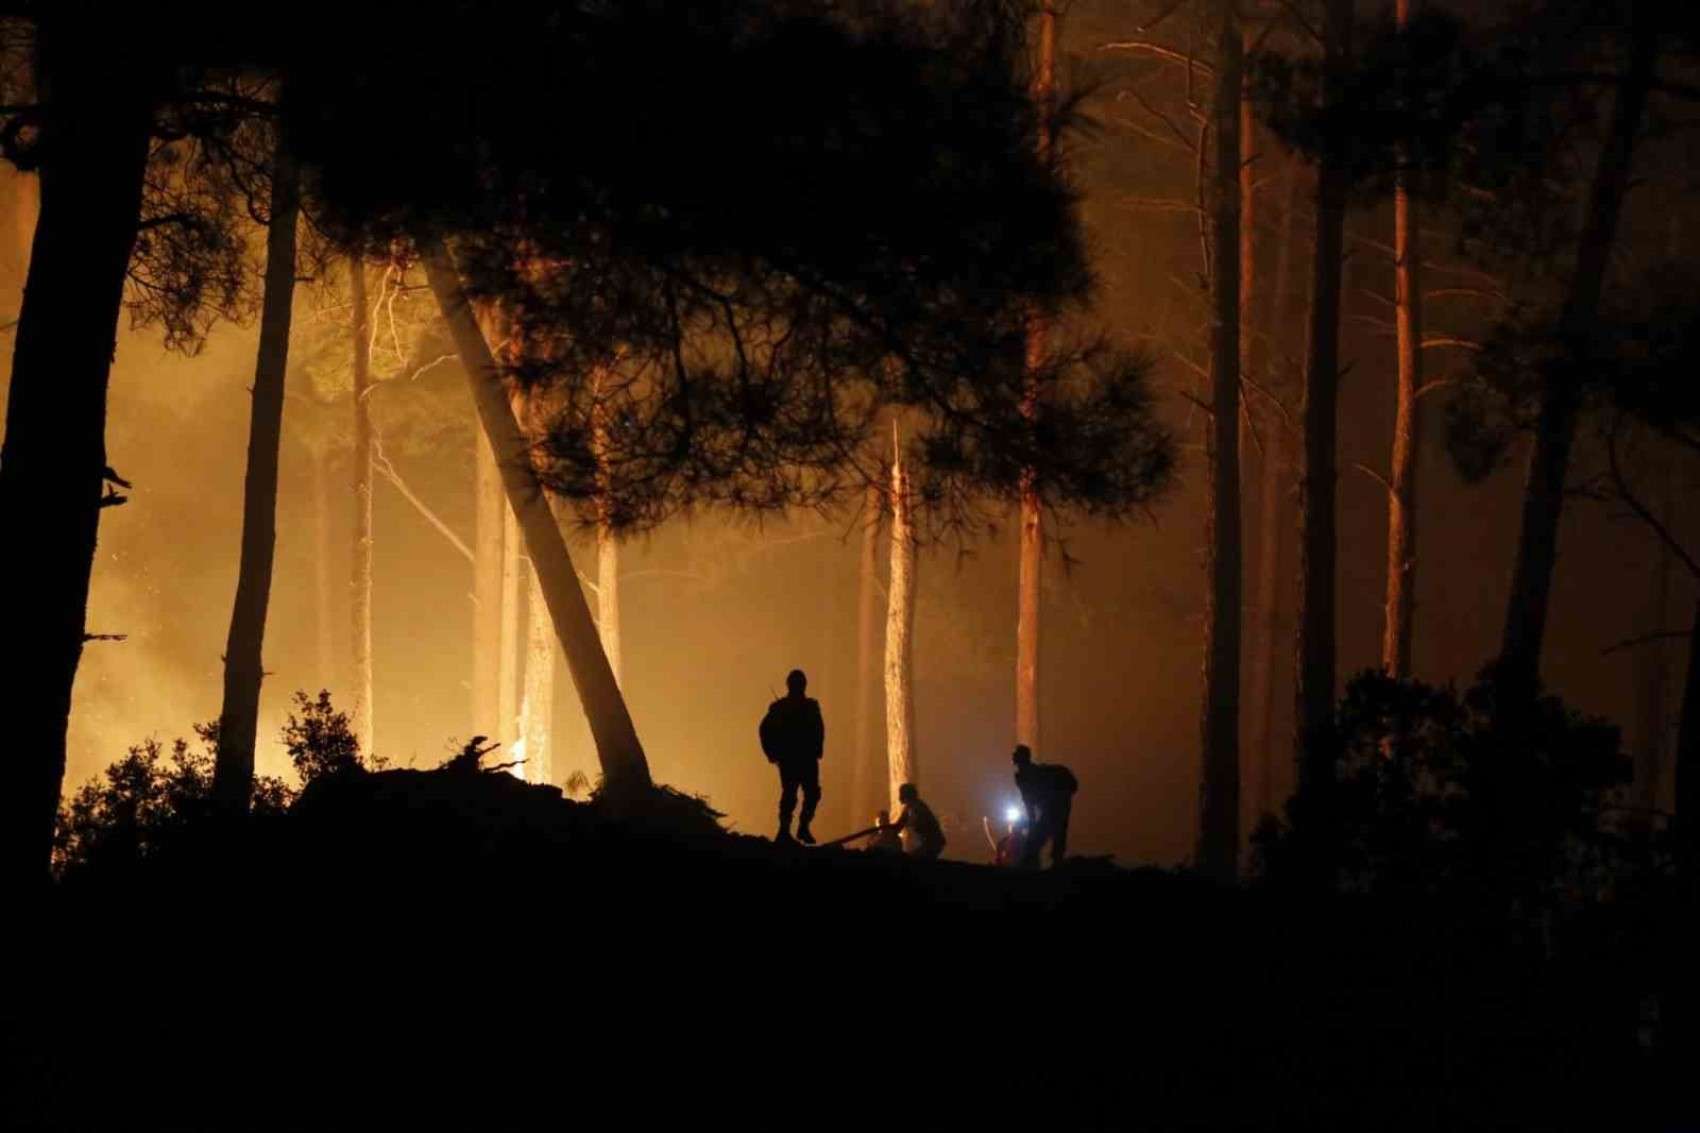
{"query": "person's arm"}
pixel 901 823
pixel 818 730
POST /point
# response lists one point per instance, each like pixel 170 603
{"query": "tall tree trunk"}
pixel 537 703
pixel 360 577
pixel 1318 539
pixel 624 766
pixel 490 507
pixel 239 717
pixel 608 597
pixel 607 544
pixel 1219 787
pixel 508 658
pixel 1688 746
pixel 52 465
pixel 1032 534
pixel 1407 423
pixel 325 652
pixel 1272 524
pixel 899 640
pixel 1555 425
pixel 862 777
pixel 1652 668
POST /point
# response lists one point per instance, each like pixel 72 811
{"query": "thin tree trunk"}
pixel 1219 787
pixel 608 598
pixel 624 766
pixel 508 658
pixel 490 507
pixel 52 465
pixel 325 651
pixel 1555 426
pixel 1407 424
pixel 1272 523
pixel 244 671
pixel 537 704
pixel 1318 540
pixel 899 641
pixel 360 578
pixel 607 544
pixel 1652 668
pixel 1032 535
pixel 862 770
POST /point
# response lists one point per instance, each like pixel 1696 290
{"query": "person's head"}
pixel 1023 755
pixel 907 793
pixel 796 682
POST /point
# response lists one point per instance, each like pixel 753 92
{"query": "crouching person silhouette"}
pixel 1047 793
pixel 918 818
pixel 793 736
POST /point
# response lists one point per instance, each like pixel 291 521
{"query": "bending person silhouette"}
pixel 793 736
pixel 923 825
pixel 1047 791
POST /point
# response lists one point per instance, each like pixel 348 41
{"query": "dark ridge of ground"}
pixel 419 950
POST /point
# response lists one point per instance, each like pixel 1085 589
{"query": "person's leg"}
pixel 1059 843
pixel 1031 845
pixel 789 782
pixel 810 780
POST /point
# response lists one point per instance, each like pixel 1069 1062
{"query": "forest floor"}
pixel 412 953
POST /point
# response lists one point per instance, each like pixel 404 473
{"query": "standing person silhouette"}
pixel 1047 791
pixel 793 736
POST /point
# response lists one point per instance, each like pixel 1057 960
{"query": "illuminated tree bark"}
pixel 624 766
pixel 325 652
pixel 1032 536
pixel 508 659
pixel 1555 425
pixel 899 640
pixel 1219 803
pixel 607 543
pixel 1407 425
pixel 490 506
pixel 865 759
pixel 239 715
pixel 360 579
pixel 52 467
pixel 537 703
pixel 1318 539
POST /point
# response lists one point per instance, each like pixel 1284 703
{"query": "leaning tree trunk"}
pixel 1032 534
pixel 1318 539
pixel 900 641
pixel 239 717
pixel 867 647
pixel 624 766
pixel 1555 425
pixel 360 575
pixel 53 463
pixel 1407 423
pixel 1217 851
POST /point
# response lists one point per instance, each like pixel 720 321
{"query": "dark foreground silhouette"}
pixel 453 949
